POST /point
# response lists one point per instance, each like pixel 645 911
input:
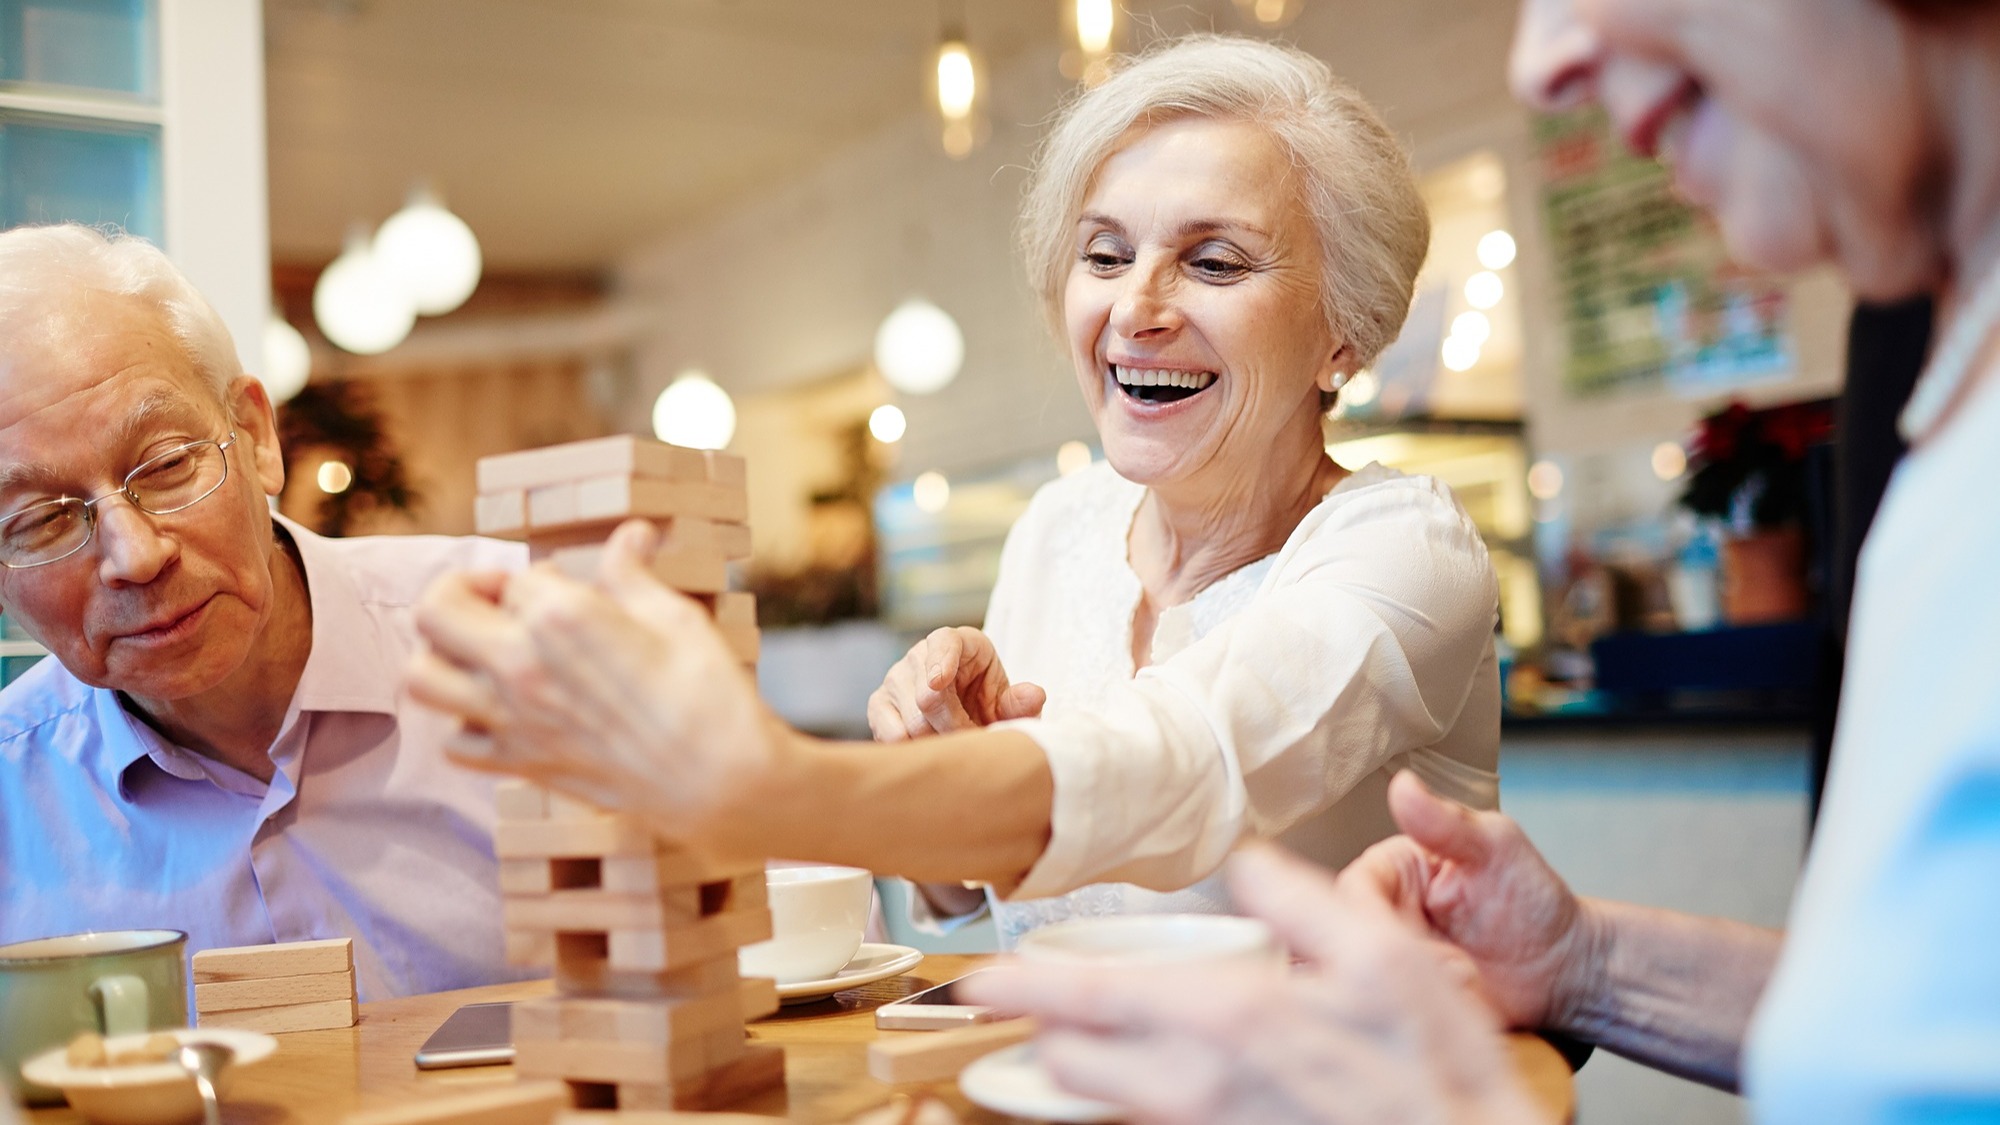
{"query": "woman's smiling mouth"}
pixel 1159 384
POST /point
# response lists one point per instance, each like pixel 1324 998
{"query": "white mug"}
pixel 818 918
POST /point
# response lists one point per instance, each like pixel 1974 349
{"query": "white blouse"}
pixel 1279 701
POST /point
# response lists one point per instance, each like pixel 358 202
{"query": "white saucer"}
pixel 146 1093
pixel 872 962
pixel 1011 1081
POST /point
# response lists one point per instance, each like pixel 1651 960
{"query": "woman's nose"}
pixel 1145 305
pixel 1555 57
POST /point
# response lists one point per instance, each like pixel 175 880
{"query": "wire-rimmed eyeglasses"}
pixel 174 481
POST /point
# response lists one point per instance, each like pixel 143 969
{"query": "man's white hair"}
pixel 1358 187
pixel 43 268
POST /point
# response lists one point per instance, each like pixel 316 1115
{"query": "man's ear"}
pixel 256 426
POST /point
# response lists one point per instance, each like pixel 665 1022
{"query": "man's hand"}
pixel 950 680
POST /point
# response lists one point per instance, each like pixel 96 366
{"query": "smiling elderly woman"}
pixel 1220 633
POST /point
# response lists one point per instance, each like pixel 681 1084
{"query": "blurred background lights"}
pixel 887 424
pixel 931 492
pixel 1472 326
pixel 1545 480
pixel 1484 289
pixel 334 477
pixel 1496 250
pixel 287 360
pixel 694 412
pixel 1669 460
pixel 1460 353
pixel 919 348
pixel 1072 457
pixel 1270 14
pixel 360 305
pixel 957 87
pixel 1094 19
pixel 432 252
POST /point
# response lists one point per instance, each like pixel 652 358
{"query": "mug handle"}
pixel 122 1002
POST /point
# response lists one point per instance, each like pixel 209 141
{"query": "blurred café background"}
pixel 446 228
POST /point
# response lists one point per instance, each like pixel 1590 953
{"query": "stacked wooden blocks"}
pixel 566 499
pixel 649 1010
pixel 295 986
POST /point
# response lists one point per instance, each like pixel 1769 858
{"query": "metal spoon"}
pixel 204 1062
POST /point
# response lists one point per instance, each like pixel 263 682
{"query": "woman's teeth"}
pixel 1159 385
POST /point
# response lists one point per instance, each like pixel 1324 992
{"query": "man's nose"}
pixel 131 548
pixel 1555 57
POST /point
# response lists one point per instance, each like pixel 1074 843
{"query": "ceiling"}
pixel 566 131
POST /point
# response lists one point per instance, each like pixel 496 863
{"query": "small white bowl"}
pixel 150 1093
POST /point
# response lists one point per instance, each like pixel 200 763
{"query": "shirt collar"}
pixel 351 666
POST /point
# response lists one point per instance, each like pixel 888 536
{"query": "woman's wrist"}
pixel 1580 999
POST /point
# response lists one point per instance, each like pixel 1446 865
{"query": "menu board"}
pixel 1648 296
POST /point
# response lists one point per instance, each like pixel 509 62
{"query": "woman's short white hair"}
pixel 43 268
pixel 1359 190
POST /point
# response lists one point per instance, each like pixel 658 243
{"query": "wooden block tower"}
pixel 642 935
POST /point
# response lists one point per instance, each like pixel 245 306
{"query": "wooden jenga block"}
pixel 553 505
pixel 733 608
pixel 524 1103
pixel 583 968
pixel 630 1021
pixel 562 806
pixel 674 867
pixel 286 959
pixel 733 540
pixel 675 531
pixel 689 571
pixel 273 992
pixel 591 910
pixel 760 1067
pixel 622 455
pixel 520 800
pixel 759 996
pixel 287 1018
pixel 744 642
pixel 563 839
pixel 661 950
pixel 938 1056
pixel 633 1061
pixel 622 497
pixel 501 513
pixel 726 468
pixel 530 950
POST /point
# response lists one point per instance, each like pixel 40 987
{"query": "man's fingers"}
pixel 1447 828
pixel 1299 901
pixel 1096 999
pixel 942 650
pixel 884 721
pixel 1022 701
pixel 443 686
pixel 1398 871
pixel 461 622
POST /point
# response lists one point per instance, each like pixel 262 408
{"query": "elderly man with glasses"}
pixel 219 744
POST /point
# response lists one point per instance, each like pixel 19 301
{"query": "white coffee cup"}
pixel 1131 940
pixel 818 918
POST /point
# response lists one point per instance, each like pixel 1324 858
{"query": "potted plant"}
pixel 1748 470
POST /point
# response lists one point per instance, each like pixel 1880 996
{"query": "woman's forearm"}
pixel 972 805
pixel 1672 991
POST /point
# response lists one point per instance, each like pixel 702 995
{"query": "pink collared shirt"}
pixel 366 830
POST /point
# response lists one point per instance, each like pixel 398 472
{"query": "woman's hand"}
pixel 1383 1025
pixel 1484 888
pixel 950 680
pixel 624 695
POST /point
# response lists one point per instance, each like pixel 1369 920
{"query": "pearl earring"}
pixel 1340 379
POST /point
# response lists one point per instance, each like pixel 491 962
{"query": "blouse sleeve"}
pixel 1364 644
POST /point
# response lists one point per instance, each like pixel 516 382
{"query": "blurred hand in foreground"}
pixel 951 680
pixel 621 693
pixel 1382 1024
pixel 1480 885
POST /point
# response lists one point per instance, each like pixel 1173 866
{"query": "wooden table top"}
pixel 321 1076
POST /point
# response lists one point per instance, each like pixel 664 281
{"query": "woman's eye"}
pixel 1213 266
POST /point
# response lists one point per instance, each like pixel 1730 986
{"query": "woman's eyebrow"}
pixel 1194 227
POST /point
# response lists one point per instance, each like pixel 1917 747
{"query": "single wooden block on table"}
pixel 501 513
pixel 288 1018
pixel 621 455
pixel 630 1021
pixel 662 950
pixel 761 1067
pixel 938 1056
pixel 284 959
pixel 524 1103
pixel 273 992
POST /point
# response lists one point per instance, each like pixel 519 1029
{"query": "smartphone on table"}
pixel 475 1035
pixel 934 1009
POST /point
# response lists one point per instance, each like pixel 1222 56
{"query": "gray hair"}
pixel 1363 199
pixel 42 267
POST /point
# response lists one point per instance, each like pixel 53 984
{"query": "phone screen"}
pixel 936 1007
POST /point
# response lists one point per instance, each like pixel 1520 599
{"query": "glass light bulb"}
pixel 693 411
pixel 956 85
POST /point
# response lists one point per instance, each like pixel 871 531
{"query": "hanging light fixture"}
pixel 693 411
pixel 287 360
pixel 1270 14
pixel 360 305
pixel 919 348
pixel 432 251
pixel 1095 21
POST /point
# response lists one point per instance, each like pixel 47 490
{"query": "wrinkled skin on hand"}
pixel 621 693
pixel 1480 885
pixel 951 680
pixel 1382 1024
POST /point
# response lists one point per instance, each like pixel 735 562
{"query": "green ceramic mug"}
pixel 113 983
